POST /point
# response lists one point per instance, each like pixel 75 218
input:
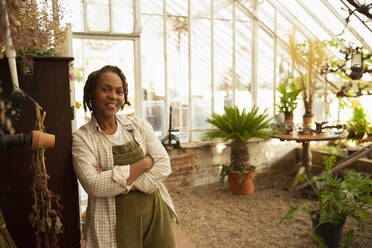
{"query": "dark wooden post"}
pixel 49 86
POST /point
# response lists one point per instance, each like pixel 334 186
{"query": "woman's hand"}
pixel 139 167
pixel 149 163
pixel 98 169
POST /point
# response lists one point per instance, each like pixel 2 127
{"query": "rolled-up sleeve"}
pixel 107 183
pixel 150 181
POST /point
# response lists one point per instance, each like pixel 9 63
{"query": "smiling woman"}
pixel 106 97
pixel 121 165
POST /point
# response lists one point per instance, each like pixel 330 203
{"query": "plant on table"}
pixel 239 127
pixel 358 125
pixel 339 197
pixel 288 100
pixel 308 59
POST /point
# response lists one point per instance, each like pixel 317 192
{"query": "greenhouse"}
pixel 247 121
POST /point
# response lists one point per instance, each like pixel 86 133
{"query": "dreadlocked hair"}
pixel 90 86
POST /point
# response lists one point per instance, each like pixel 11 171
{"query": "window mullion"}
pixel 212 55
pixel 189 53
pixel 254 54
pixel 166 101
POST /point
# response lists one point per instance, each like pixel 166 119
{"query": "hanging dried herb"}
pixel 5 240
pixel 46 212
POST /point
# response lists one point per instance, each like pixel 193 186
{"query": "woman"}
pixel 121 165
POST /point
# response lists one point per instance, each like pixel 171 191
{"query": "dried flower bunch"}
pixel 46 211
pixel 34 25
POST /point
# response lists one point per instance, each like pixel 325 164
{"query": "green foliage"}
pixel 236 125
pixel 358 125
pixel 24 57
pixel 239 127
pixel 288 99
pixel 338 197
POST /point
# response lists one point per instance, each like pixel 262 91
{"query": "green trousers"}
pixel 142 220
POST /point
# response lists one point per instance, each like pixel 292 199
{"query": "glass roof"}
pixel 325 19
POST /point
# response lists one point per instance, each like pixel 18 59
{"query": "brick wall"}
pixel 196 165
pixel 200 163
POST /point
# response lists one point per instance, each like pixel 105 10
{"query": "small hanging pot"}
pixel 42 140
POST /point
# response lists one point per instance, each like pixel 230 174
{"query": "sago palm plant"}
pixel 239 127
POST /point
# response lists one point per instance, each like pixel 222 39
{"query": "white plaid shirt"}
pixel 91 146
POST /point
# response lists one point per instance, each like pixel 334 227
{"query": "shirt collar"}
pixel 122 119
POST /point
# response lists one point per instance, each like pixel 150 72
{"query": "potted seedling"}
pixel 288 99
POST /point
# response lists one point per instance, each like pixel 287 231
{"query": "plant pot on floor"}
pixel 330 233
pixel 235 185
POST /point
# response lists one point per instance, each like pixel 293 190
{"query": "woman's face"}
pixel 108 96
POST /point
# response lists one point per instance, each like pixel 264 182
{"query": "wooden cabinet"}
pixel 49 85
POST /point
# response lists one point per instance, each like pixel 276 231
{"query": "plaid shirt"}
pixel 91 146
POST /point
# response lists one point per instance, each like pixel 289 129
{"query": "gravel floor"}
pixel 211 217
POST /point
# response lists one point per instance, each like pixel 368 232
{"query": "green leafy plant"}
pixel 289 93
pixel 239 127
pixel 358 125
pixel 339 197
pixel 24 57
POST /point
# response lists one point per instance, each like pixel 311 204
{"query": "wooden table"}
pixel 305 139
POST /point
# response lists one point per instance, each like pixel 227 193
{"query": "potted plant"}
pixel 308 58
pixel 358 125
pixel 239 127
pixel 339 197
pixel 288 99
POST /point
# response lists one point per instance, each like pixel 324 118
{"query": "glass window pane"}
pixel 243 65
pixel 152 7
pixel 177 67
pixel 223 73
pixel 266 14
pixel 152 68
pixel 122 16
pixel 307 20
pixel 201 72
pixel 76 15
pixel 284 27
pixel 265 71
pixel 177 7
pixel 98 15
pixel 201 8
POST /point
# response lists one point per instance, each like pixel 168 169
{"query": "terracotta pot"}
pixel 289 120
pixel 234 183
pixel 307 120
pixel 288 117
pixel 42 140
